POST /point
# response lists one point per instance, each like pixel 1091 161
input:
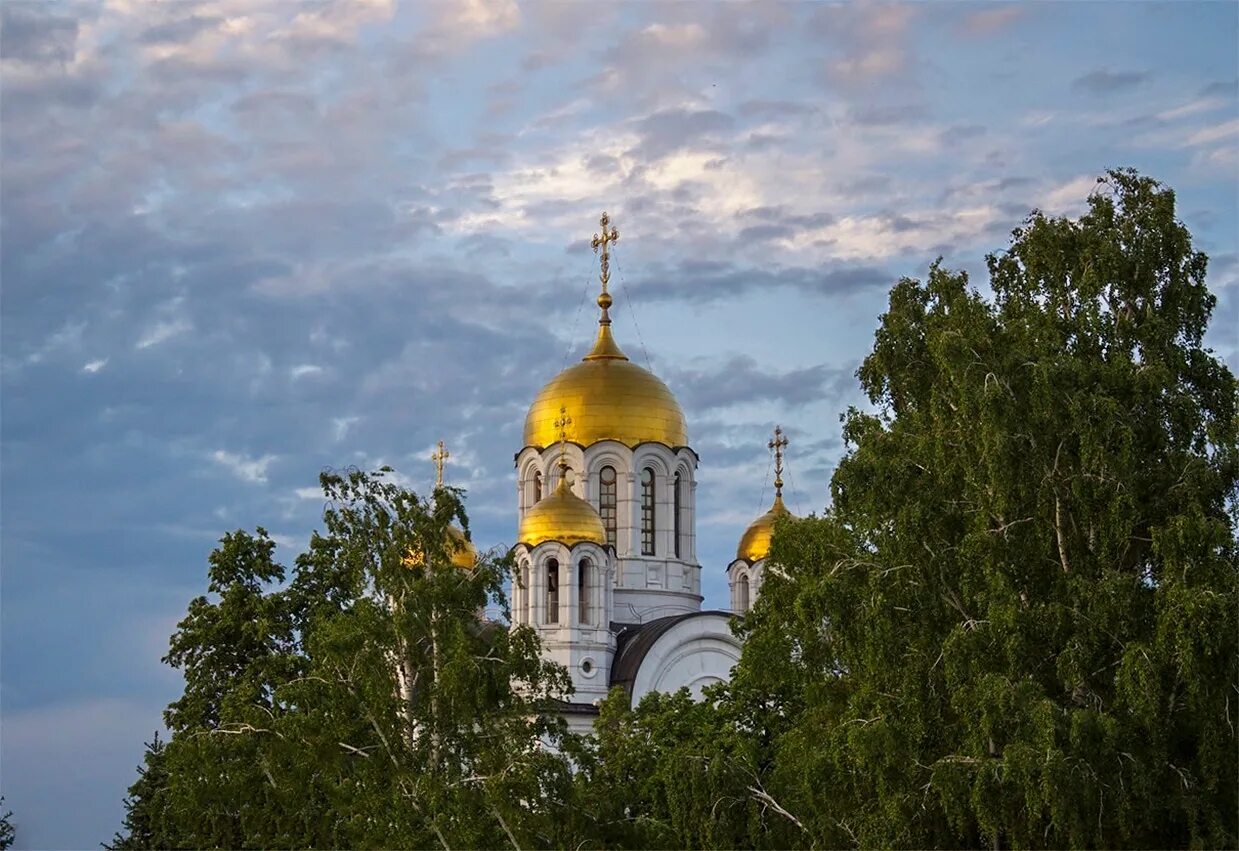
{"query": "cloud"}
pixel 1214 133
pixel 304 370
pixel 704 281
pixel 672 130
pixel 740 381
pixel 31 35
pixel 1104 81
pixel 244 468
pixel 94 365
pixel 162 331
pixel 872 45
pixel 990 21
pixel 1069 198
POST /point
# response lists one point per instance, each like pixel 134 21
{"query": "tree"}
pixel 1017 623
pixel 144 804
pixel 8 832
pixel 364 702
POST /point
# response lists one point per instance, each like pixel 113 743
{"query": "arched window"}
pixel 537 487
pixel 606 501
pixel 523 612
pixel 552 591
pixel 647 512
pixel 583 588
pixel 679 504
pixel 742 594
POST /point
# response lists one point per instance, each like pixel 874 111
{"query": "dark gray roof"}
pixel 634 640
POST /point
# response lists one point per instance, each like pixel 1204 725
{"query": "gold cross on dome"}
pixel 439 456
pixel 604 241
pixel 562 424
pixel 777 444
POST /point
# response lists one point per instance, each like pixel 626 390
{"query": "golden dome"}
pixel 564 517
pixel 755 542
pixel 460 551
pixel 610 399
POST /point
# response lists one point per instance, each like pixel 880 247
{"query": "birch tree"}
pixel 362 701
pixel 1016 626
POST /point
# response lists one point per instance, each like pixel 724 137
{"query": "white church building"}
pixel 606 548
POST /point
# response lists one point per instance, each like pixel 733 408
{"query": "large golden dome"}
pixel 564 517
pixel 610 399
pixel 755 542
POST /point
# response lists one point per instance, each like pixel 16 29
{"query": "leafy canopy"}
pixel 361 703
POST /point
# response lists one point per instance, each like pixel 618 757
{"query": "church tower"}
pixel 746 573
pixel 606 551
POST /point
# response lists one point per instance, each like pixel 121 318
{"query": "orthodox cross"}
pixel 604 241
pixel 562 424
pixel 777 444
pixel 439 456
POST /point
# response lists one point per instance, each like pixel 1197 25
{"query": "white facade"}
pixel 654 578
pixel 626 613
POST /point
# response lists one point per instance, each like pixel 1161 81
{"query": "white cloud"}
pixel 95 365
pixel 305 369
pixel 341 425
pixel 162 331
pixel 244 468
pixel 1215 133
pixel 1193 107
pixel 1069 198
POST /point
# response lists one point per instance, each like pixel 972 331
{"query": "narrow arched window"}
pixel 742 594
pixel 523 611
pixel 647 512
pixel 584 588
pixel 537 487
pixel 552 591
pixel 679 504
pixel 606 501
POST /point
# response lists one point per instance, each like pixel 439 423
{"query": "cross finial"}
pixel 562 424
pixel 777 444
pixel 439 456
pixel 604 241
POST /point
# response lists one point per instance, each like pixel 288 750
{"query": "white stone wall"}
pixel 586 649
pixel 692 654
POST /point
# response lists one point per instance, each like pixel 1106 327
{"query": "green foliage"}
pixel 144 807
pixel 361 703
pixel 672 773
pixel 8 833
pixel 1017 625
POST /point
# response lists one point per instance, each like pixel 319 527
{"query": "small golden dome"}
pixel 755 542
pixel 610 399
pixel 564 517
pixel 460 551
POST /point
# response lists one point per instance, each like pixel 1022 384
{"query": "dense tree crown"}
pixel 1015 626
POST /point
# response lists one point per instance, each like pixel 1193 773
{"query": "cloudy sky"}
pixel 242 243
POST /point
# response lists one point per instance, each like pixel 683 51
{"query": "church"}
pixel 606 548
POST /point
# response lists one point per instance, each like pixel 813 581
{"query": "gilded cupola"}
pixel 460 550
pixel 755 542
pixel 564 517
pixel 611 398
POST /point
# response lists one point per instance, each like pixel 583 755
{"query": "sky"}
pixel 241 242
